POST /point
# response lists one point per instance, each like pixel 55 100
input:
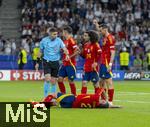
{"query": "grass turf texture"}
pixel 134 96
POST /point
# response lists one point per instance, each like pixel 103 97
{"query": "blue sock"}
pixel 53 88
pixel 46 88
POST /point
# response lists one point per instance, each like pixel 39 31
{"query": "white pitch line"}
pixel 135 92
pixel 120 93
pixel 124 93
pixel 141 102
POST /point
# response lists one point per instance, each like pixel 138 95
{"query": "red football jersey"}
pixel 107 46
pixel 86 101
pixel 71 46
pixel 91 53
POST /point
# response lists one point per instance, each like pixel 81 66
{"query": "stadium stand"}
pixel 0 2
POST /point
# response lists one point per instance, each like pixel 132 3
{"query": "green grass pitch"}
pixel 134 96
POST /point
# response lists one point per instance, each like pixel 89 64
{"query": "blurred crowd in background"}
pixel 128 20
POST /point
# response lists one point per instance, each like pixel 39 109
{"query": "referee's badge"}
pixel 55 49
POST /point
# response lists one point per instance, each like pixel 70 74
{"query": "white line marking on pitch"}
pixel 141 102
pixel 130 93
pixel 133 92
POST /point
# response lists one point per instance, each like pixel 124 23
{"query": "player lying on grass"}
pixel 78 101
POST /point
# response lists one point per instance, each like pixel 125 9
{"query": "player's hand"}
pixel 94 65
pixel 67 58
pixel 37 67
pixel 109 67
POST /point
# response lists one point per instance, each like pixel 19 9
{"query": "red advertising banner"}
pixel 4 75
pixel 26 75
pixel 12 75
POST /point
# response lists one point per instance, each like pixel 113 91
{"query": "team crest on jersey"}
pixel 55 49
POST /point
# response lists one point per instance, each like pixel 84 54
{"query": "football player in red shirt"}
pixel 107 58
pixel 91 52
pixel 68 67
pixel 78 101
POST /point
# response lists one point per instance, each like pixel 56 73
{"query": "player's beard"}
pixel 53 39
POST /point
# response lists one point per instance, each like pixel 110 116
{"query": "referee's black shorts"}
pixel 51 67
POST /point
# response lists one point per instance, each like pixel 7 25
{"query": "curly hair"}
pixel 93 36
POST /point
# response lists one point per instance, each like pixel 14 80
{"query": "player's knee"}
pixel 96 85
pixel 47 78
pixel 101 83
pixel 109 83
pixel 53 80
pixel 60 79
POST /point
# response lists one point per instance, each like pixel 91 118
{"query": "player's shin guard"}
pixel 110 95
pixel 84 90
pixel 46 88
pixel 73 88
pixel 62 87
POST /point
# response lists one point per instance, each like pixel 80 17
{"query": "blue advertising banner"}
pixel 79 75
pixel 118 75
